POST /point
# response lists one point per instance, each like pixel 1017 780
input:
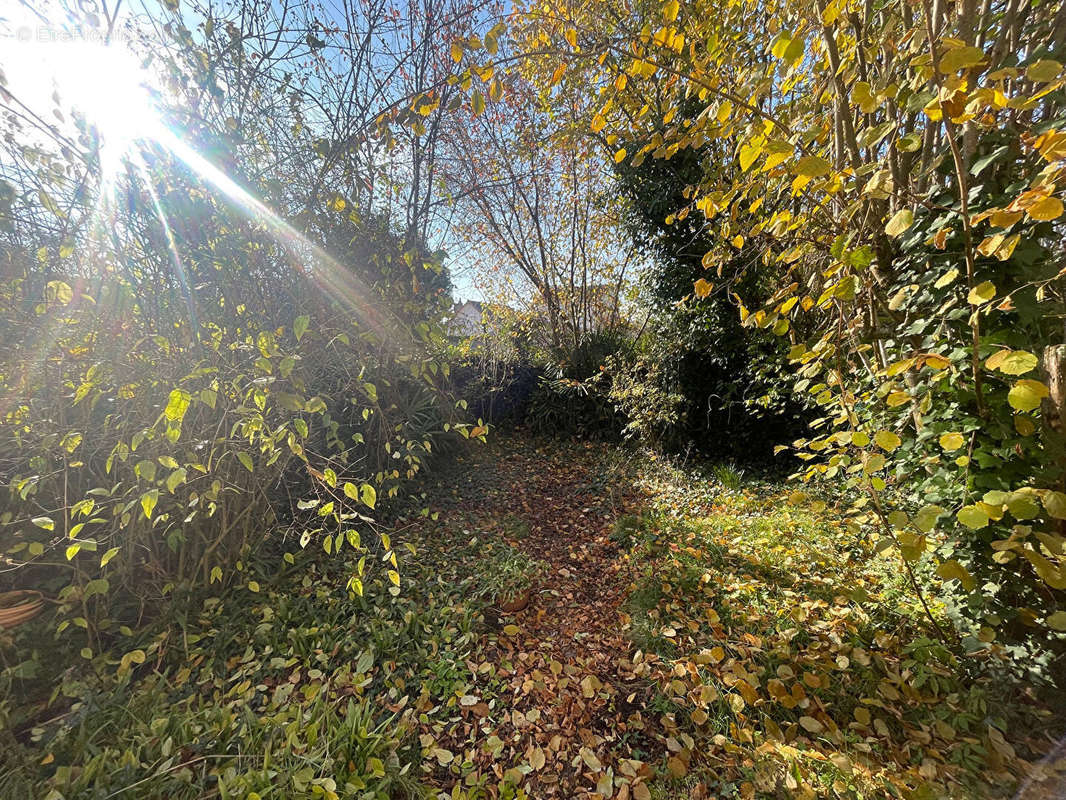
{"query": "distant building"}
pixel 468 319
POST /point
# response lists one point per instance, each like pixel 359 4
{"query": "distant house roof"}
pixel 467 318
pixel 471 304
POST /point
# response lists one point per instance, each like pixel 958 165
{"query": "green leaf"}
pixel 44 523
pixel 176 479
pixel 300 325
pixel 1055 503
pixel 148 502
pixel 368 494
pixel 1022 505
pixel 98 586
pixel 926 517
pixel 910 142
pixel 972 517
pixel 177 405
pixel 145 469
pixel 106 557
pixel 246 459
pixel 1043 71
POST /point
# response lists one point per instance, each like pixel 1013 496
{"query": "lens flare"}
pixel 110 88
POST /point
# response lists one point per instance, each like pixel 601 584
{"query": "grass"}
pixel 781 656
pixel 800 663
pixel 298 690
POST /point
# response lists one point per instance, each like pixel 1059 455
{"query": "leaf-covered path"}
pixel 695 640
pixel 562 705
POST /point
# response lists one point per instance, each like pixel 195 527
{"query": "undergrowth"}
pixel 298 689
pixel 800 662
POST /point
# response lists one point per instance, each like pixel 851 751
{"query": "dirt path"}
pixel 553 701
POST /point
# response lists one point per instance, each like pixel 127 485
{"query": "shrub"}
pixel 164 466
pixel 566 406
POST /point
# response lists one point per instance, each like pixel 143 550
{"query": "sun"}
pixel 107 86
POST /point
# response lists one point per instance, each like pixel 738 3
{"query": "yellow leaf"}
pixel 952 441
pixel 946 278
pixel 1045 210
pixel 748 154
pixel 457 52
pixel 703 288
pixel 1026 395
pixel 620 156
pixel 989 244
pixel 1006 247
pixel 1057 621
pixel 973 517
pixel 887 440
pixel 670 10
pixel 1012 362
pixel 897 398
pixel 864 97
pixel 952 569
pixel 1043 71
pixel 981 294
pixel 961 58
pixel 590 759
pixel 900 222
pixel 812 167
pixel 1004 219
pixel 511 630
